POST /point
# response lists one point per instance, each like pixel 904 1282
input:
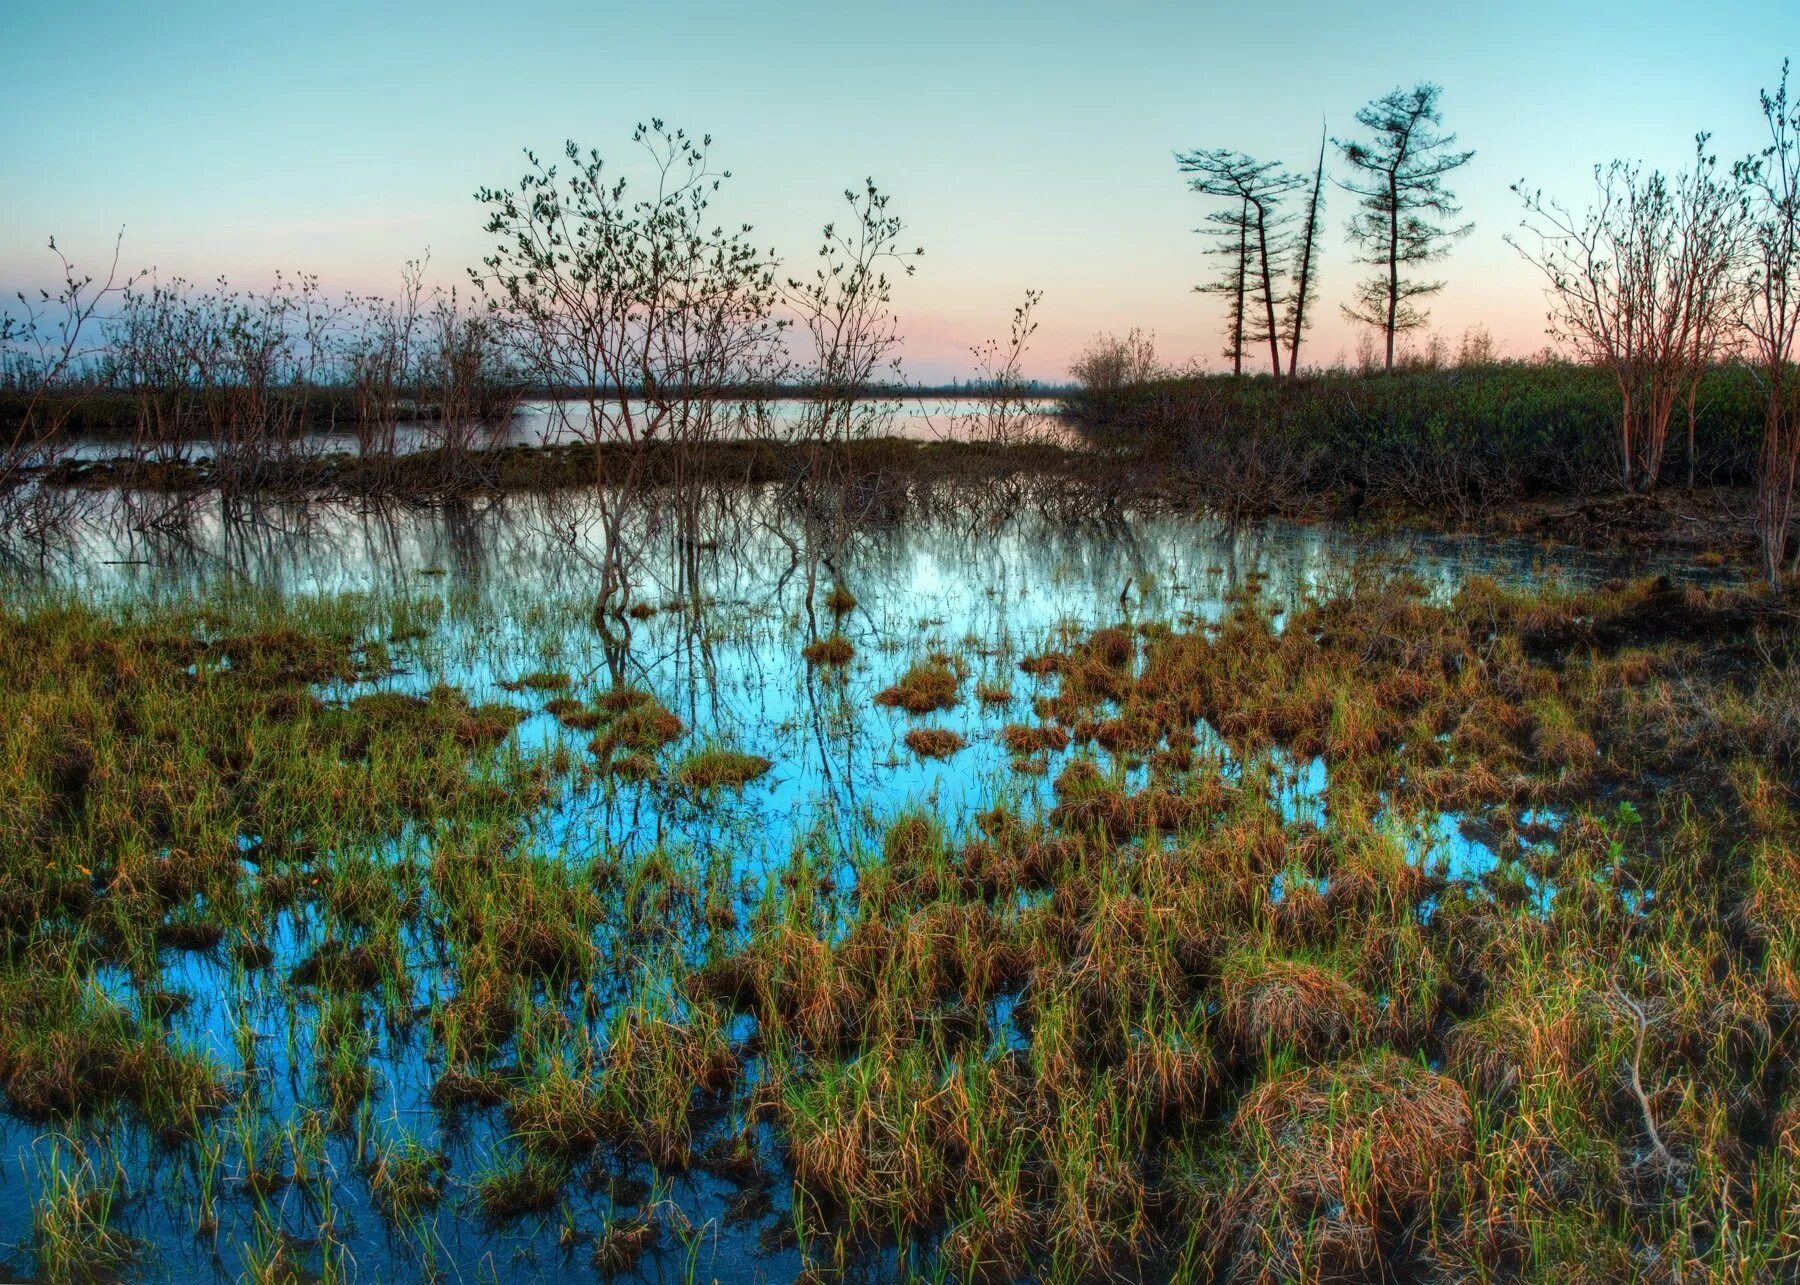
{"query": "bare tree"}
pixel 1714 214
pixel 1771 314
pixel 1256 189
pixel 50 349
pixel 1297 319
pixel 638 311
pixel 1404 206
pixel 1640 286
pixel 1002 414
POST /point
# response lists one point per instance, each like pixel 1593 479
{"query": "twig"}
pixel 1658 1150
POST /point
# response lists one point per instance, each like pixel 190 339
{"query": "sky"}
pixel 1026 146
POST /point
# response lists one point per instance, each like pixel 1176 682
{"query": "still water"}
pixel 546 423
pixel 510 586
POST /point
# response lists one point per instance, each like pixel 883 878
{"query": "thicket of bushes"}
pixel 1464 439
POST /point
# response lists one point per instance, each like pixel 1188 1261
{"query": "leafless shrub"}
pixel 1110 363
pixel 51 352
pixel 1476 348
pixel 845 334
pixel 1640 285
pixel 1003 415
pixel 642 309
pixel 1244 470
pixel 1771 316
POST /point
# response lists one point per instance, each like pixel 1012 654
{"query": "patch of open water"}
pixel 506 589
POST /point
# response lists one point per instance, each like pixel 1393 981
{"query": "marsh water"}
pixel 536 423
pixel 506 587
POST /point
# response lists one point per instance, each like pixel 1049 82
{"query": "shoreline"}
pixel 1711 523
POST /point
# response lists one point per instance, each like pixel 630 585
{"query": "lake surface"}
pixel 510 586
pixel 548 423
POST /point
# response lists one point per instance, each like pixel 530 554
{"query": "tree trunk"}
pixel 1243 276
pixel 1306 253
pixel 1775 483
pixel 1627 434
pixel 1693 393
pixel 1268 290
pixel 1393 293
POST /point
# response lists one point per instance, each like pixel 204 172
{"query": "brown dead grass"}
pixel 934 742
pixel 929 685
pixel 1027 738
pixel 1336 1160
pixel 833 649
pixel 1269 1003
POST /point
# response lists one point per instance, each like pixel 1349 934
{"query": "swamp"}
pixel 582 767
pixel 1042 886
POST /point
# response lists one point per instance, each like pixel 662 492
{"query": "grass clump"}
pixel 989 692
pixel 572 713
pixel 525 1183
pixel 1272 1003
pixel 625 1241
pixel 72 1222
pixel 634 721
pixel 1337 1162
pixel 934 742
pixel 539 680
pixel 1026 738
pixel 407 1179
pixel 927 686
pixel 832 650
pixel 718 766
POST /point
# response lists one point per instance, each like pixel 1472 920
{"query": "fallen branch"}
pixel 1661 1153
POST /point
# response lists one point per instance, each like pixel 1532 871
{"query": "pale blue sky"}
pixel 1025 145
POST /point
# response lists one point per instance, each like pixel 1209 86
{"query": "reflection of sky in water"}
pixel 514 582
pixel 542 423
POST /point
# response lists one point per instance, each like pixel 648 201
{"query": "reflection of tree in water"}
pixel 985 571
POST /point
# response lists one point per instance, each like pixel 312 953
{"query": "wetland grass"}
pixel 1257 999
pixel 714 767
pixel 625 1241
pixel 934 742
pixel 927 686
pixel 1194 1017
pixel 633 721
pixel 990 692
pixel 72 1221
pixel 832 650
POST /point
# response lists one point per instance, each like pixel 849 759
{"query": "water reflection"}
pixel 735 580
pixel 513 578
pixel 545 423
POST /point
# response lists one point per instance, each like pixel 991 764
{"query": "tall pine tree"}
pixel 1405 215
